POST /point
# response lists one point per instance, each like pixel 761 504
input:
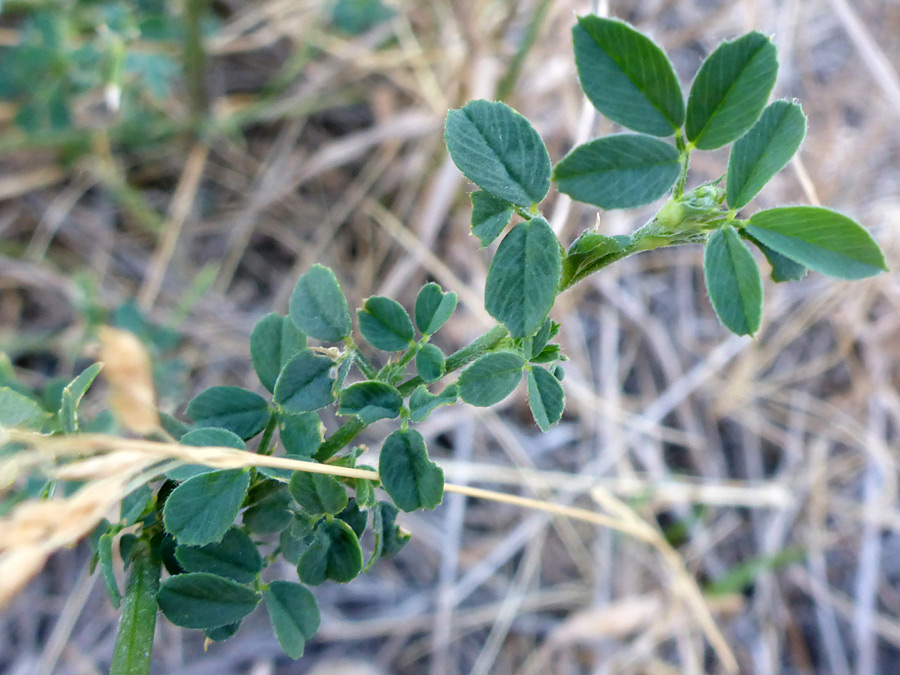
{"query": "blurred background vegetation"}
pixel 173 166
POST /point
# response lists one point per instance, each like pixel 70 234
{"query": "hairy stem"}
pixel 134 642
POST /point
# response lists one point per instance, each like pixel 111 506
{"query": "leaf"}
pixel 318 493
pixel 498 150
pixel 433 308
pixel 621 171
pixel 733 281
pixel 222 633
pixel 104 550
pixel 273 342
pixel 301 434
pixel 294 615
pixel 72 395
pixel 627 76
pixel 430 363
pixel 306 383
pixel 334 554
pixel 207 437
pixel 235 557
pixel 491 378
pixel 422 402
pixel 370 401
pixel 407 474
pixel 133 505
pixel 358 16
pixel 318 306
pixel 356 518
pixel 385 324
pixel 546 397
pixel 271 508
pixel 365 489
pixel 17 410
pixel 764 151
pixel 134 640
pixel 202 508
pixel 202 600
pixel 783 268
pixel 523 277
pixel 542 337
pixel 821 239
pixel 489 216
pixel 389 538
pixel 731 90
pixel 232 408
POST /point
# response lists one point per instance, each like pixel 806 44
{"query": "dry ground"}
pixel 778 451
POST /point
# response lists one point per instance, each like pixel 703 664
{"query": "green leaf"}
pixel 783 268
pixel 385 324
pixel 105 552
pixel 489 216
pixel 134 641
pixel 202 508
pixel 430 363
pixel 17 410
pixel 546 397
pixel 764 151
pixel 422 402
pixel 491 378
pixel 133 505
pixel 731 90
pixel 370 401
pixel 627 76
pixel 273 342
pixel 294 615
pixel 733 281
pixel 433 308
pixel 306 383
pixel 222 633
pixel 318 306
pixel 542 337
pixel 358 16
pixel 334 554
pixel 621 171
pixel 271 510
pixel 301 434
pixel 207 437
pixel 172 425
pixel 365 489
pixel 523 277
pixel 318 493
pixel 821 239
pixel 72 395
pixel 389 538
pixel 232 408
pixel 201 600
pixel 356 518
pixel 407 474
pixel 235 557
pixel 498 150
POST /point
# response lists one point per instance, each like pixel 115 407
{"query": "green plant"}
pixel 320 508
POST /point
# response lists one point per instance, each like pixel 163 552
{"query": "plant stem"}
pixel 195 58
pixel 354 427
pixel 685 154
pixel 134 642
pixel 267 435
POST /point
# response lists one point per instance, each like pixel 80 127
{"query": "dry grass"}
pixel 741 450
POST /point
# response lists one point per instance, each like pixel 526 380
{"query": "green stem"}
pixel 268 433
pixel 134 642
pixel 195 58
pixel 355 426
pixel 685 152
